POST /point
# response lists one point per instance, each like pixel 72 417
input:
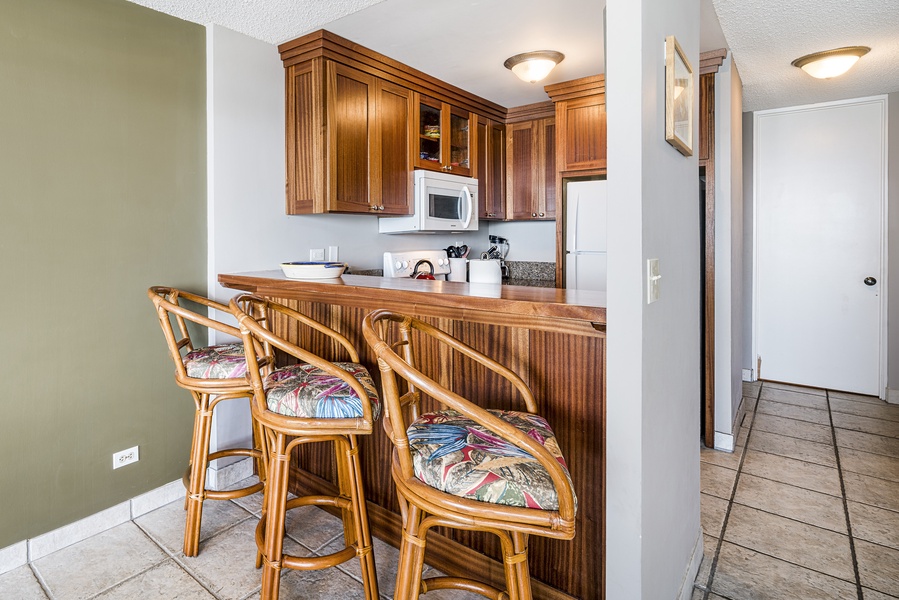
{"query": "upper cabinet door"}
pixel 444 137
pixel 582 133
pixel 350 118
pixel 531 170
pixel 491 169
pixel 393 144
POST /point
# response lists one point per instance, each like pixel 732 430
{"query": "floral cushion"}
pixel 216 362
pixel 457 455
pixel 306 391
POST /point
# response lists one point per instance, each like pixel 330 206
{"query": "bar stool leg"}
pixel 196 490
pixel 359 517
pixel 275 507
pixel 412 552
pixel 520 573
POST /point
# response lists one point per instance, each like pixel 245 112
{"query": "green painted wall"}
pixel 102 194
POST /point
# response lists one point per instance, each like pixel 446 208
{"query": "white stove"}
pixel 406 263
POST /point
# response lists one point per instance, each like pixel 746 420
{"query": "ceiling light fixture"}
pixel 534 66
pixel 830 63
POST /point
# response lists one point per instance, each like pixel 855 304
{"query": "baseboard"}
pixel 748 375
pixel 26 551
pixel 724 441
pixel 686 586
pixel 893 396
pixel 224 477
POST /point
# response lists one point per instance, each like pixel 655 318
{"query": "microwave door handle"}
pixel 467 195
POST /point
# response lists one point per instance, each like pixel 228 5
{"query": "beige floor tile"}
pixel 748 416
pixel 794 398
pixel 742 435
pixel 887 412
pixel 866 424
pixel 709 546
pixel 728 460
pixel 791 411
pixel 793 428
pixel 877 525
pixel 866 442
pixel 773 443
pixel 712 511
pixel 854 397
pixel 226 564
pixel 167 580
pixel 387 559
pixel 742 574
pixel 806 545
pixel 800 473
pixel 878 567
pixel 875 595
pixel 698 594
pixel 751 389
pixel 165 525
pixel 792 502
pixel 114 556
pixel 313 527
pixel 21 584
pixel 871 490
pixel 875 465
pixel 716 480
pixel 793 388
pixel 323 584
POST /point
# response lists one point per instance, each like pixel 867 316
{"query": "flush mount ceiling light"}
pixel 534 66
pixel 830 63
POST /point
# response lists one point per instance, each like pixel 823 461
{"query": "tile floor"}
pixel 143 559
pixel 807 506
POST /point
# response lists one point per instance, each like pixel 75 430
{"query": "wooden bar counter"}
pixel 554 339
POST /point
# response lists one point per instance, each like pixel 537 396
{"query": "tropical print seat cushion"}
pixel 306 391
pixel 216 362
pixel 456 455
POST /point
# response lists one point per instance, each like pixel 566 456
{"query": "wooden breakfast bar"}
pixel 554 339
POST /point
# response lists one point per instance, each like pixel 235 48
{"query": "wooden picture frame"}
pixel 678 98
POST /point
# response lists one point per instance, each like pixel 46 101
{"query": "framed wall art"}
pixel 678 98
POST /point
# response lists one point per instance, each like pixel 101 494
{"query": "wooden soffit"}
pixel 711 60
pixel 576 88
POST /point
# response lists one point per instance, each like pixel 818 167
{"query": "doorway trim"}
pixel 883 100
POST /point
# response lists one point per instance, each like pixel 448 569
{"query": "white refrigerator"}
pixel 585 235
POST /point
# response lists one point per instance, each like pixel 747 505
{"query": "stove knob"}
pixel 440 261
pixel 398 265
pixel 405 264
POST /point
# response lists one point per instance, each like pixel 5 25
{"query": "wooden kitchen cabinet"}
pixel 491 169
pixel 443 136
pixel 531 170
pixel 348 141
pixel 581 119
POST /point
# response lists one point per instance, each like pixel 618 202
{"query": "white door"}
pixel 820 194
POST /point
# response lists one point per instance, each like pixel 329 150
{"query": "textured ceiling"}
pixel 766 35
pixel 465 42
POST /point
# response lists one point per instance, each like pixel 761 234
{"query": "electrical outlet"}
pixel 317 254
pixel 125 457
pixel 332 252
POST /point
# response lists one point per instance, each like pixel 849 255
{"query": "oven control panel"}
pixel 406 263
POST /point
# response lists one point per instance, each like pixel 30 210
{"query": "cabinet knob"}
pixel 381 207
pixel 373 207
pixel 533 214
pixel 542 215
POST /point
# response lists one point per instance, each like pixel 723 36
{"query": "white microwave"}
pixel 443 202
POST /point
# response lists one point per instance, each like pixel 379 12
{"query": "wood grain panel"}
pixel 349 119
pixel 391 168
pixel 521 176
pixel 301 134
pixel 547 210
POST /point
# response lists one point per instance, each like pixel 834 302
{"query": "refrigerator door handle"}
pixel 577 206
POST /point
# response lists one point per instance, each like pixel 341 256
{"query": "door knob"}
pixel 870 281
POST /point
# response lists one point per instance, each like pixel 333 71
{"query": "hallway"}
pixel 808 504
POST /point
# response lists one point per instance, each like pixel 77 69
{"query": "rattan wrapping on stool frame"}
pixel 285 433
pixel 391 336
pixel 207 390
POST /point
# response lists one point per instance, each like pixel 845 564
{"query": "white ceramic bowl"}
pixel 313 270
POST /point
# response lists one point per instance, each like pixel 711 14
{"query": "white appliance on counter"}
pixel 443 202
pixel 586 235
pixel 407 263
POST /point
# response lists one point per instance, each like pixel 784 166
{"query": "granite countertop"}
pixel 523 273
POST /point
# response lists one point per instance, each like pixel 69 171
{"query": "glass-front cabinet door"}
pixel 443 136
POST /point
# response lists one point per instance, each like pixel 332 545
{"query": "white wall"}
pixel 728 251
pixel 653 534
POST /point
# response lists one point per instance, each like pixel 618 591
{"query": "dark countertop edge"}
pixel 534 301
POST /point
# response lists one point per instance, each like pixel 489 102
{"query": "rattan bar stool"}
pixel 211 374
pixel 313 401
pixel 466 467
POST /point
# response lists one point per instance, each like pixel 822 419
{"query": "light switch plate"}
pixel 653 280
pixel 317 254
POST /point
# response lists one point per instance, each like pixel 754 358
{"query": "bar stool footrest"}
pixel 461 583
pixel 228 494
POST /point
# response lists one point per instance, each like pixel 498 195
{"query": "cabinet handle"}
pixel 373 207
pixel 533 214
pixel 449 168
pixel 542 215
pixel 381 207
